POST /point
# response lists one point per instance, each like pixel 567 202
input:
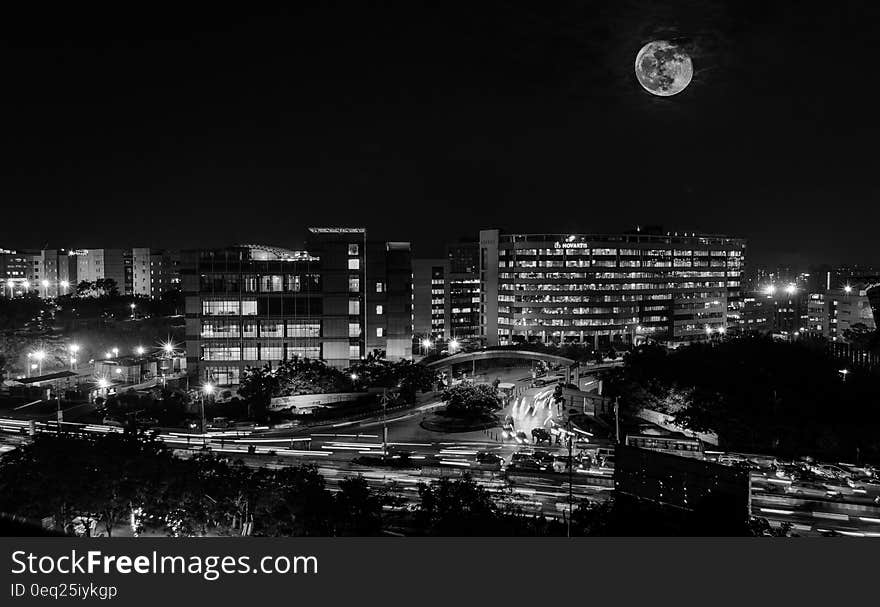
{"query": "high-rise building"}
pixel 341 298
pixel 601 288
pixel 430 299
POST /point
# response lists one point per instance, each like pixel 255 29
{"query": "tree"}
pixel 471 400
pixel 357 509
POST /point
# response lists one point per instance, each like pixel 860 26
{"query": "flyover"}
pixel 570 365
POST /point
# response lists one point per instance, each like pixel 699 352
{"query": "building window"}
pixel 221 307
pixel 354 264
pixel 380 287
pixel 303 329
pixel 379 310
pixel 354 285
pixel 219 328
pixel 354 307
pixel 248 307
pixel 380 332
pixel 293 283
pixel 249 329
pixel 354 352
pixel 304 351
pixel 271 352
pixel 354 329
pixel 352 249
pixel 221 353
pixel 270 283
pixel 271 328
pixel 250 353
pixel 223 376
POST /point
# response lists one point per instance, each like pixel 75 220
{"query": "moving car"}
pixel 526 461
pixel 521 438
pixel 811 489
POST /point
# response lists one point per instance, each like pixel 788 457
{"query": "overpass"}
pixel 568 364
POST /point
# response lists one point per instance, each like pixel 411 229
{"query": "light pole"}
pixel 132 305
pixel 115 352
pixel 207 390
pixel 426 345
pixel 844 373
pixel 45 284
pixel 39 355
pixel 453 345
pixel 74 348
pixel 11 284
pixel 140 351
pixel 64 285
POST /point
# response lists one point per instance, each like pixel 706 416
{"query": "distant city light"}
pixel 140 350
pixel 790 289
pixel 64 284
pixel 39 355
pixel 722 330
pixel 847 289
pixel 354 376
pixel 208 388
pixel 73 348
pixel 770 289
pixel 45 283
pixel 426 342
pixel 453 344
pixel 103 383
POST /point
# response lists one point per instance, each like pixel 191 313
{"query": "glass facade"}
pixel 577 288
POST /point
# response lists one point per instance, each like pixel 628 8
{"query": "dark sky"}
pixel 424 122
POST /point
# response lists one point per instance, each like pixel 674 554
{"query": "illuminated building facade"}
pixel 606 288
pixel 251 305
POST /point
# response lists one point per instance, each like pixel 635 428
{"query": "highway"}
pixel 336 450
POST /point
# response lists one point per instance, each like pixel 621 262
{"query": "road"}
pixel 335 449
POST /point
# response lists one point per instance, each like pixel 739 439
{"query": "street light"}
pixel 115 351
pixel 847 289
pixel 207 390
pixel 453 345
pixel 39 355
pixel 722 330
pixel 74 348
pixel 132 306
pixel 45 284
pixel 354 377
pixel 790 289
pixel 140 350
pixel 65 285
pixel 844 373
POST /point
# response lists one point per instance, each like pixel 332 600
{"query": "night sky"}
pixel 426 122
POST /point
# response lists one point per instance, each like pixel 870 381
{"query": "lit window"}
pixel 379 310
pixel 380 332
pixel 354 264
pixel 354 307
pixel 352 249
pixel 354 329
pixel 354 285
pixel 354 351
pixel 380 287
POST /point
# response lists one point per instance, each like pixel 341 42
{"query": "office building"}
pixel 337 300
pixel 603 288
pixel 430 300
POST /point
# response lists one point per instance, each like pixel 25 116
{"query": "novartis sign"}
pixel 572 245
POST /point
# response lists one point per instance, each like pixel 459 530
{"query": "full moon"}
pixel 663 68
